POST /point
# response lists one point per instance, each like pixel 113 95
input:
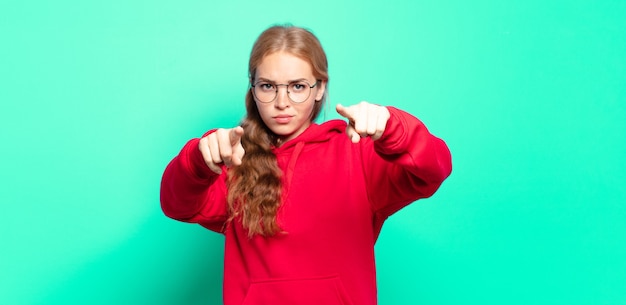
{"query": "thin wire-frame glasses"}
pixel 297 91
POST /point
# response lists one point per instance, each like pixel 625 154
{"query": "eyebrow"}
pixel 289 81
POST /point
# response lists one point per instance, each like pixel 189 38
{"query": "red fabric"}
pixel 336 197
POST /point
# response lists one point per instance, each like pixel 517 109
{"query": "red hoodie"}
pixel 336 196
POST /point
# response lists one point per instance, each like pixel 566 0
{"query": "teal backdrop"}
pixel 97 96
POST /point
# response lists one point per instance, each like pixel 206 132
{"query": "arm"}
pixel 407 163
pixel 192 192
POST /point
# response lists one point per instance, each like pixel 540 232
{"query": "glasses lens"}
pixel 299 91
pixel 265 92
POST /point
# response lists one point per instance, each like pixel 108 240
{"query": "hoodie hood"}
pixel 313 135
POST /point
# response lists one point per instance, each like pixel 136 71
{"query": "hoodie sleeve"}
pixel 191 192
pixel 407 163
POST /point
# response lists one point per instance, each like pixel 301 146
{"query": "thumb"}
pixel 352 134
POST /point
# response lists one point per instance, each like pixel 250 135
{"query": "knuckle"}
pixel 211 165
pixel 221 133
pixel 210 137
pixel 226 155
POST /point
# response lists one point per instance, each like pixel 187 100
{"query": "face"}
pixel 282 116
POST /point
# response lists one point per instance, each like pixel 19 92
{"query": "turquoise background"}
pixel 97 96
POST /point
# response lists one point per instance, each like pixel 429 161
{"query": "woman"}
pixel 300 204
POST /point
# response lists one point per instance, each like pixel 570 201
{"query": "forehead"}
pixel 283 66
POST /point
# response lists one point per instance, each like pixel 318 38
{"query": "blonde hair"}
pixel 254 187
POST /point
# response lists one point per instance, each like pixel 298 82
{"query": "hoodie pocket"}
pixel 310 291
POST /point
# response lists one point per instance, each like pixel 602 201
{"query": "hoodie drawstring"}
pixel 292 164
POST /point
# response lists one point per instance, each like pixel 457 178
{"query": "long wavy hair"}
pixel 254 187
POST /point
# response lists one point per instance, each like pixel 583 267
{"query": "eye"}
pixel 299 86
pixel 264 86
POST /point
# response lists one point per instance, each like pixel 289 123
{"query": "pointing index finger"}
pixel 344 112
pixel 235 135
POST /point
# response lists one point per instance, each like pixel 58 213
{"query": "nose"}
pixel 282 98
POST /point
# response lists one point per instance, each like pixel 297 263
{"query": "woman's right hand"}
pixel 222 146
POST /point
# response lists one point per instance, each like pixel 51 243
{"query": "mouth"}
pixel 283 118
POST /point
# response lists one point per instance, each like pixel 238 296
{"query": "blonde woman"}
pixel 301 204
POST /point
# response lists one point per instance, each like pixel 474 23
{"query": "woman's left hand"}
pixel 364 120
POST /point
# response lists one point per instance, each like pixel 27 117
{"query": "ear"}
pixel 321 89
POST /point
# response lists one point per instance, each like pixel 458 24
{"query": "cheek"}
pixel 263 110
pixel 308 109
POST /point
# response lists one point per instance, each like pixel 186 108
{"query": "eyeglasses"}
pixel 298 91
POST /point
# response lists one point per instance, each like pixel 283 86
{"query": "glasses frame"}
pixel 252 88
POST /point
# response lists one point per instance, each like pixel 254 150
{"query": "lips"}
pixel 283 118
